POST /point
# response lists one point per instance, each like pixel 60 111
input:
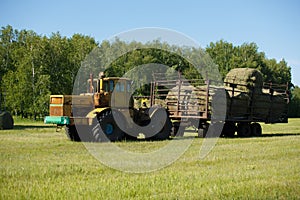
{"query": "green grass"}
pixel 36 162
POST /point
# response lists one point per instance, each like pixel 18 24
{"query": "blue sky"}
pixel 273 25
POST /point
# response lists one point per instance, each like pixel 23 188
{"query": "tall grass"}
pixel 36 162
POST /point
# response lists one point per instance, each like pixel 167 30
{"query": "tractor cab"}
pixel 111 92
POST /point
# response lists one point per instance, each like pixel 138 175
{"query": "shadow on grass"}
pixel 22 127
pixel 195 137
pixel 278 134
pixel 266 135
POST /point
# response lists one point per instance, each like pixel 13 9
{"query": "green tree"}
pixel 222 53
pixel 79 47
pixel 277 72
pixel 20 84
pixel 294 106
pixel 227 57
pixel 7 38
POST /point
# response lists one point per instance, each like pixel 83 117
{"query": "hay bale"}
pixel 198 98
pixel 245 78
pixel 184 98
pixel 217 101
pixel 197 103
pixel 6 121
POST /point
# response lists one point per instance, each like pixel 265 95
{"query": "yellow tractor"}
pixel 106 113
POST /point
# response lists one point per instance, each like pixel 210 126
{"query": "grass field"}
pixel 36 162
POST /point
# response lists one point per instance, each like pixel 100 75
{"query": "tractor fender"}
pixel 93 114
pixel 118 116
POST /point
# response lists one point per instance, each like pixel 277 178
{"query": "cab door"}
pixel 107 87
pixel 119 95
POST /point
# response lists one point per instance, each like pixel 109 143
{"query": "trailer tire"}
pixel 229 129
pixel 202 130
pixel 256 130
pixel 244 130
pixel 202 133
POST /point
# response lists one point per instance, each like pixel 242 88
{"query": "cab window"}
pixel 108 86
pixel 111 85
pixel 120 87
pixel 105 86
pixel 128 83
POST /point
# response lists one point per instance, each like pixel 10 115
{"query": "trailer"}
pixel 239 104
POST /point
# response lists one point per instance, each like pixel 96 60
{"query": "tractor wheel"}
pixel 165 132
pixel 72 133
pixel 229 129
pixel 202 133
pixel 130 137
pixel 84 133
pixel 256 129
pixel 244 130
pixel 105 128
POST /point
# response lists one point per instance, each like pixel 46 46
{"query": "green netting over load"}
pixel 6 121
pixel 279 107
pixel 261 106
pixel 238 103
pixel 245 78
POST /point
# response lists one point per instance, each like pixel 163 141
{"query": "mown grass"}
pixel 36 162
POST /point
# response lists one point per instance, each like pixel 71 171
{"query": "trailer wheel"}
pixel 244 130
pixel 202 130
pixel 105 128
pixel 202 133
pixel 229 129
pixel 72 133
pixel 256 129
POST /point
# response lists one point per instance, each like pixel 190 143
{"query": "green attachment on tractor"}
pixel 59 120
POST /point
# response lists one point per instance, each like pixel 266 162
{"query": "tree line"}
pixel 32 67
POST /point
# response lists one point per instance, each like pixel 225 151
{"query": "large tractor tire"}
pixel 72 133
pixel 105 128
